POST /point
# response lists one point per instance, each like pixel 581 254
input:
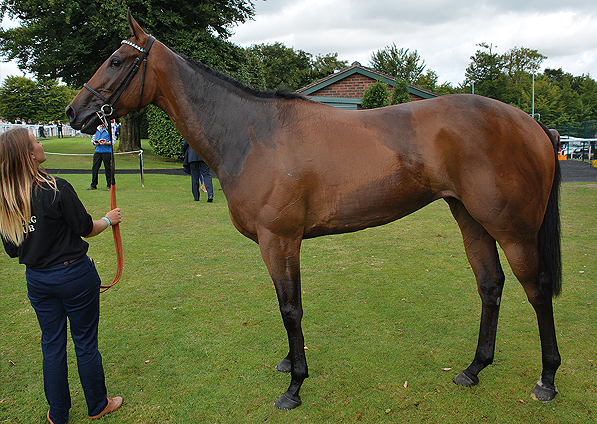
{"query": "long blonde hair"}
pixel 19 174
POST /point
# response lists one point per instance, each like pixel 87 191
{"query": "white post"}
pixel 533 109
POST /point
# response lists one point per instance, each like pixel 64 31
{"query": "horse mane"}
pixel 283 92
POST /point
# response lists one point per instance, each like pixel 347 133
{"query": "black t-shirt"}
pixel 58 222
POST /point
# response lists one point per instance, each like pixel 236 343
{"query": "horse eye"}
pixel 115 63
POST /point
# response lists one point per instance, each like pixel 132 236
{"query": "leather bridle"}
pixel 108 108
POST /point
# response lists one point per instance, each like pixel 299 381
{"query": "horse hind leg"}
pixel 483 257
pixel 538 285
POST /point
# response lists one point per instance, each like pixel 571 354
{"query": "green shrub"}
pixel 164 138
pixel 376 96
pixel 400 93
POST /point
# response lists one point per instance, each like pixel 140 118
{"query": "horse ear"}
pixel 129 19
pixel 136 30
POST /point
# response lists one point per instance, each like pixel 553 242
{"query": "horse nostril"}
pixel 70 113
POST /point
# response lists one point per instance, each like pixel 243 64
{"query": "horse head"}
pixel 116 88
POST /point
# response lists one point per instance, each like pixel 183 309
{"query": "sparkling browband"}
pixel 132 45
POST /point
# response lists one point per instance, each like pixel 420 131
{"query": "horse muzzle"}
pixel 86 124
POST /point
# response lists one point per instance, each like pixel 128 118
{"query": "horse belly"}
pixel 366 204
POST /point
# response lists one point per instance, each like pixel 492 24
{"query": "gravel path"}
pixel 574 171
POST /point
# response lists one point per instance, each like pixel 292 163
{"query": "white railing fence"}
pixel 49 130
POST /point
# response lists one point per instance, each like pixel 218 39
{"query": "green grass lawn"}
pixel 192 332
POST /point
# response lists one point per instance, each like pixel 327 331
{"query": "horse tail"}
pixel 549 233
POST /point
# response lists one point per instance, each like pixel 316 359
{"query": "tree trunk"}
pixel 130 132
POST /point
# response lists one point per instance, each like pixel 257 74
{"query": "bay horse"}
pixel 292 169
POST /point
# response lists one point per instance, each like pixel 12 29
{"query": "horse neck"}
pixel 210 113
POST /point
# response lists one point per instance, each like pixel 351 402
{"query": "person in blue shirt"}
pixel 103 148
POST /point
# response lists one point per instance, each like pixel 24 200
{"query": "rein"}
pixel 104 114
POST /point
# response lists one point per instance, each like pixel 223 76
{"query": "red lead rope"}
pixel 104 114
pixel 117 241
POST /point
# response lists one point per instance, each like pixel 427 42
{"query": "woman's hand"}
pixel 101 224
pixel 114 216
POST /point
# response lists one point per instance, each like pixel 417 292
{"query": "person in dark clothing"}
pixel 42 132
pixel 198 168
pixel 103 153
pixel 41 222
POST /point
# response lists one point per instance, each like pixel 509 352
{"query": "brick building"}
pixel 344 89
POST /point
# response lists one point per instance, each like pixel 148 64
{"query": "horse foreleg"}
pixel 281 256
pixel 482 254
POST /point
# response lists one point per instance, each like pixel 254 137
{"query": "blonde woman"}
pixel 42 222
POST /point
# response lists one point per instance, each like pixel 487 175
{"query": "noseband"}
pixel 108 108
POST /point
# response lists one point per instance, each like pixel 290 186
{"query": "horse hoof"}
pixel 543 393
pixel 284 366
pixel 287 402
pixel 464 379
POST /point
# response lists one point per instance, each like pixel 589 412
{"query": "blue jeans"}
pixel 60 291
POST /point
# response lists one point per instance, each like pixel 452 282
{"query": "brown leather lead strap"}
pixel 117 241
pixel 116 227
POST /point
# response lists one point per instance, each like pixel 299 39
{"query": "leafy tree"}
pixel 53 98
pixel 555 76
pixel 521 61
pixel 251 72
pixel 70 40
pixel 398 63
pixel 17 98
pixel 519 64
pixel 324 66
pixel 446 88
pixel 568 99
pixel 21 97
pixel 559 96
pixel 285 67
pixel 588 99
pixel 400 93
pixel 428 80
pixel 486 72
pixel 375 96
pixel 546 95
pixel 576 96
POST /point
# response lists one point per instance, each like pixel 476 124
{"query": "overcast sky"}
pixel 444 32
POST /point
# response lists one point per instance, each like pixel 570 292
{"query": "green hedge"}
pixel 164 138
